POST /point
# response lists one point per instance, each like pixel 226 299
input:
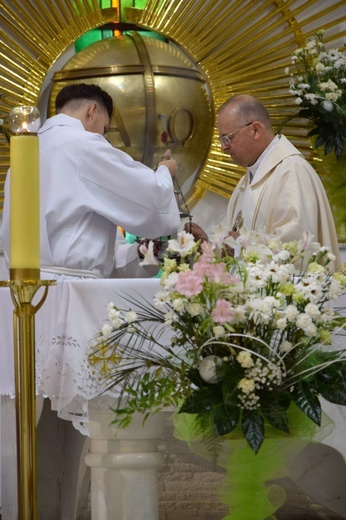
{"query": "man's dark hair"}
pixel 82 91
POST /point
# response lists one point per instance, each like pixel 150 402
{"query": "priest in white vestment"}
pixel 280 194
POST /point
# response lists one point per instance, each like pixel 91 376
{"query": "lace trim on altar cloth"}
pixel 67 379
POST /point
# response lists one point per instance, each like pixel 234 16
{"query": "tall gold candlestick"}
pixel 24 284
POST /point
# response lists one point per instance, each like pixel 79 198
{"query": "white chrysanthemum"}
pixel 326 316
pixel 262 308
pixel 280 273
pixel 257 277
pixel 311 289
pixel 106 330
pixel 161 298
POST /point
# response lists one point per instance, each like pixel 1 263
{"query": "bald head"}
pixel 246 122
pixel 246 108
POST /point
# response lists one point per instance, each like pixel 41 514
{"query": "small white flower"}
pixel 130 317
pixel 106 330
pixel 117 323
pixel 161 298
pixel 113 313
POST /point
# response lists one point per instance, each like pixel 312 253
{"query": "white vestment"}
pixel 285 198
pixel 88 188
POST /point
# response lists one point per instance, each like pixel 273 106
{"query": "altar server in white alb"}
pixel 280 193
pixel 88 188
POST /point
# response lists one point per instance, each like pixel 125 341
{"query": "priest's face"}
pixel 237 137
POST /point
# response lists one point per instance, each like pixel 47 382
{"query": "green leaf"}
pixel 331 384
pixel 253 429
pixel 275 411
pixel 225 420
pixel 337 396
pixel 307 401
pixel 201 401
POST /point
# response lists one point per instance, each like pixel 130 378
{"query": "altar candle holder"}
pixel 24 283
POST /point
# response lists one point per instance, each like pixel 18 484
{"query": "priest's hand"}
pixel 169 162
pixel 197 232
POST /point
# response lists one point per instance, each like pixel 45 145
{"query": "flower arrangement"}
pixel 318 83
pixel 233 341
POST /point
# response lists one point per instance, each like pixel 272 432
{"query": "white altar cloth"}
pixel 66 326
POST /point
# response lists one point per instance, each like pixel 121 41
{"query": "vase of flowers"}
pixel 233 343
pixel 318 84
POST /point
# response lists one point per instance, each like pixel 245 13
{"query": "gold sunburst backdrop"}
pixel 241 45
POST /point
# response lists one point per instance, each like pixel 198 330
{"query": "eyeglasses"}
pixel 226 140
